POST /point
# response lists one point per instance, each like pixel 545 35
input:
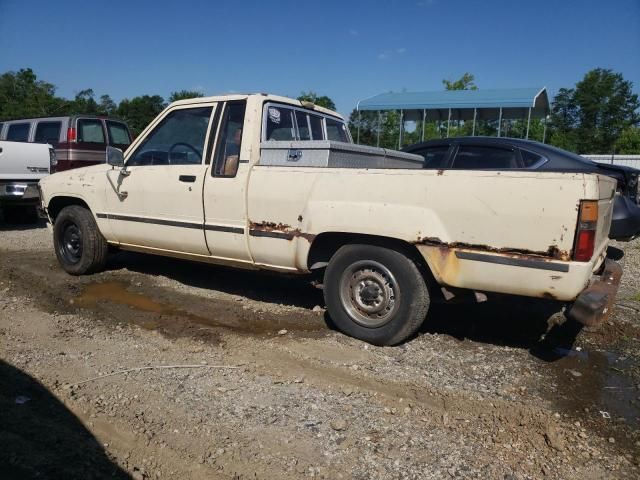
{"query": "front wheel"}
pixel 375 294
pixel 79 245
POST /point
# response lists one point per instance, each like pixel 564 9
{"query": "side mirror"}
pixel 115 157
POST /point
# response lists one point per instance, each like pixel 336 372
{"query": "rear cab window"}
pixel 336 131
pixel 90 131
pixel 118 133
pixel 48 132
pixel 290 123
pixel 480 157
pixel 18 132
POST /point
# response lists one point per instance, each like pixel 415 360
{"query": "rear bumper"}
pixel 625 223
pixel 594 305
pixel 19 193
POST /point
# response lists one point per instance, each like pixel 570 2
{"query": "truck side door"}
pixel 158 202
pixel 225 188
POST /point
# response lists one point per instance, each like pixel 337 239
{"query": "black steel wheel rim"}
pixel 71 242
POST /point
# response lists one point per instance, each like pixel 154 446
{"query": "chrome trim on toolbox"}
pixel 513 262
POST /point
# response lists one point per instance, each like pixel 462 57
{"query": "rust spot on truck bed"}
pixel 552 253
pixel 278 230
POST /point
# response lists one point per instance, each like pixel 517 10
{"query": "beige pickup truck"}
pixel 266 182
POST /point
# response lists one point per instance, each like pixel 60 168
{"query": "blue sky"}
pixel 345 49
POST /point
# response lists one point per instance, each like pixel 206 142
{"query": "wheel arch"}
pixel 57 203
pixel 326 244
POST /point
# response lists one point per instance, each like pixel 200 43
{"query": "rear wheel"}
pixel 79 245
pixel 375 294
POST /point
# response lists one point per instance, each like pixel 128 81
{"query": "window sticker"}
pixel 274 115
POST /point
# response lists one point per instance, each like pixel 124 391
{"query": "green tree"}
pixel 629 141
pixel 564 120
pixel 84 103
pixel 466 82
pixel 23 95
pixel 321 101
pixel 107 106
pixel 139 111
pixel 606 105
pixel 184 95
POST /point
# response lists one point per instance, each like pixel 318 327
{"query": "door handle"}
pixel 187 178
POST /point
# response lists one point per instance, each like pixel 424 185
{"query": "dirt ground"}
pixel 239 375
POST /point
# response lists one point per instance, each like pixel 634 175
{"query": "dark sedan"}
pixel 490 153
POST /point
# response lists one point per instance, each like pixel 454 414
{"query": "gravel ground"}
pixel 261 386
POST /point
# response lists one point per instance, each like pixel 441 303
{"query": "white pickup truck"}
pixel 22 165
pixel 266 182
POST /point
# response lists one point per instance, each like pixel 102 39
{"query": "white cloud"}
pixel 389 53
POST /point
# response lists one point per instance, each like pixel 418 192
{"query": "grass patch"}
pixel 636 297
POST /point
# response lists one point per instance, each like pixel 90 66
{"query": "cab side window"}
pixel 118 133
pixel 90 131
pixel 48 132
pixel 531 159
pixel 434 157
pixel 280 124
pixel 18 132
pixel 177 140
pixel 476 157
pixel 230 140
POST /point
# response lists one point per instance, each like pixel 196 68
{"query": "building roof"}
pixel 515 103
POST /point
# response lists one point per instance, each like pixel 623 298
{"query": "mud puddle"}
pixel 147 311
pixel 598 388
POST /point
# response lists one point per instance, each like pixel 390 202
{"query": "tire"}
pixel 79 245
pixel 375 294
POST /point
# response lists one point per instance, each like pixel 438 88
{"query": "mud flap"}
pixel 595 304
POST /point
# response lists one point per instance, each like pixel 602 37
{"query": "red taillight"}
pixel 585 244
pixel 71 134
pixel 586 233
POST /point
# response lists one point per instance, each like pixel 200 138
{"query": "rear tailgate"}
pixel 24 161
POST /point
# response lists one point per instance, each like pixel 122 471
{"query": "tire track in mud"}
pixel 122 297
pixel 131 297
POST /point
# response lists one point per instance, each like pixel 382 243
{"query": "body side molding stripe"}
pixel 514 262
pixel 172 223
pixel 270 234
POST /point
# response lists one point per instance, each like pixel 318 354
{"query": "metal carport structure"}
pixel 464 105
